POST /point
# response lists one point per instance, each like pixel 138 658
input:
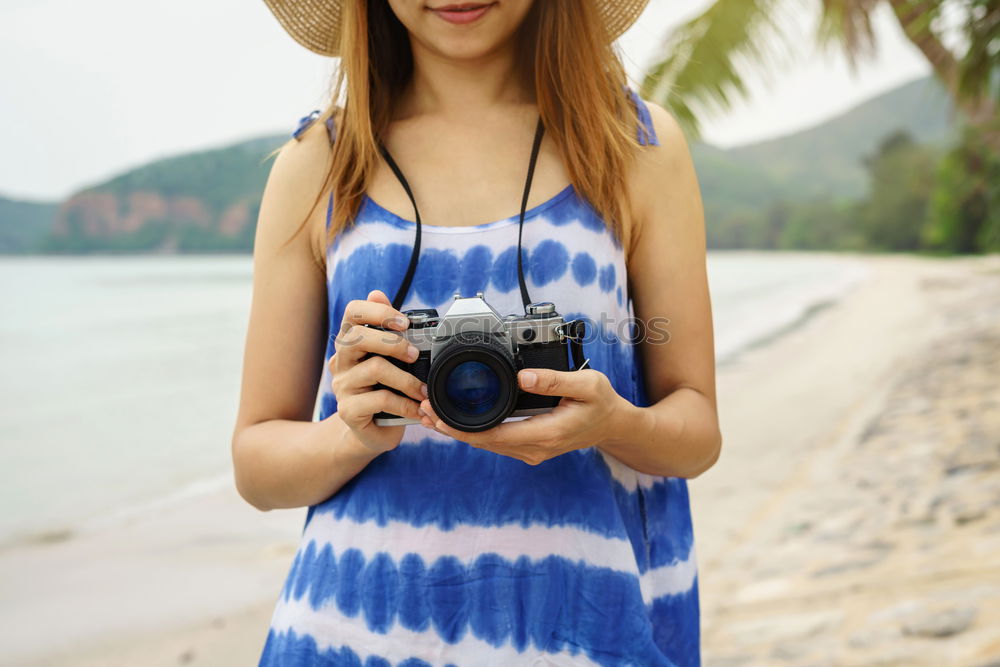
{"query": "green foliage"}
pixel 965 206
pixel 901 176
pixel 741 228
pixel 823 224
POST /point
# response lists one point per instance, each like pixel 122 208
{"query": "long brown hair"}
pixel 580 86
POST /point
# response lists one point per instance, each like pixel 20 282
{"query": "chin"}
pixel 463 42
pixel 465 49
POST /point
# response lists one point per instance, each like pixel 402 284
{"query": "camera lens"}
pixel 472 382
pixel 472 387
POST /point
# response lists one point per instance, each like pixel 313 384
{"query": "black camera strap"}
pixel 539 130
pixel 397 300
pixel 574 329
pixel 404 287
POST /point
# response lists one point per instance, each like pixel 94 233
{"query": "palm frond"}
pixel 701 61
pixel 848 24
pixel 979 69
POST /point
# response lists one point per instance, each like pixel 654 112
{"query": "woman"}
pixel 560 539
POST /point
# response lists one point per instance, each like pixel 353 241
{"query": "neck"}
pixel 452 88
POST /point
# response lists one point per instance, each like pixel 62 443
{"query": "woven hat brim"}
pixel 315 24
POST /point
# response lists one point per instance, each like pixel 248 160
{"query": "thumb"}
pixel 548 382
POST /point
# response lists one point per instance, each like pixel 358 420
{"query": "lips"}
pixel 463 6
pixel 463 12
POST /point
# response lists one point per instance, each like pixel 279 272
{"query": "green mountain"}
pixel 750 191
pixel 208 201
pixel 827 159
pixel 205 201
pixel 23 224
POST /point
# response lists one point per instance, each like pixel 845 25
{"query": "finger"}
pixel 374 313
pixel 359 341
pixel 429 418
pixel 582 384
pixel 509 433
pixel 379 370
pixel 521 450
pixel 369 403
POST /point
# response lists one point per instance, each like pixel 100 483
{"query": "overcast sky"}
pixel 91 89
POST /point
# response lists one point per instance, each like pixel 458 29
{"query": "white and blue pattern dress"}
pixel 440 554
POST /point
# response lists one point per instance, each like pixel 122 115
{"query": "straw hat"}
pixel 315 24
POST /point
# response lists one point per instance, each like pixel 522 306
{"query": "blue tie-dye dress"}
pixel 438 553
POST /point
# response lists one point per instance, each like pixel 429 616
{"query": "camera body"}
pixel 470 356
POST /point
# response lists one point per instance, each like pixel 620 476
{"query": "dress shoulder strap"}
pixel 645 132
pixel 331 128
pixel 307 120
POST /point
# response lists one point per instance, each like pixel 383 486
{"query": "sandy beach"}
pixel 852 519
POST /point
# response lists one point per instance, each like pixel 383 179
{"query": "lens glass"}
pixel 472 387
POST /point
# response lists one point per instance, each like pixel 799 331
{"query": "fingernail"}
pixel 399 322
pixel 423 390
pixel 528 379
pixel 412 352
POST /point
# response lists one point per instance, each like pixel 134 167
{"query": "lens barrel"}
pixel 472 384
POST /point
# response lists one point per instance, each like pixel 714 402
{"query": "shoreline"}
pixel 204 485
pixel 215 565
pixel 852 271
pixel 111 518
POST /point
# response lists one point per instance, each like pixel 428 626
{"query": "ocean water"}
pixel 121 375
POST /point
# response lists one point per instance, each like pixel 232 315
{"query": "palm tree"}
pixel 700 62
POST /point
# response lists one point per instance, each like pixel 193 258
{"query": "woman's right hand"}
pixel 355 377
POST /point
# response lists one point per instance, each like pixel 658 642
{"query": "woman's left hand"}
pixel 591 412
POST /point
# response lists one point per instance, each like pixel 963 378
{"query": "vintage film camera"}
pixel 469 359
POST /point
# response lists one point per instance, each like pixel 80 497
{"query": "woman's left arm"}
pixel 678 434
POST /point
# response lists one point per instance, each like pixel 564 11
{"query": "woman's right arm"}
pixel 281 458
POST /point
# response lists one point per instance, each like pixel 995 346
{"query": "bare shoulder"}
pixel 664 179
pixel 672 154
pixel 668 130
pixel 293 192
